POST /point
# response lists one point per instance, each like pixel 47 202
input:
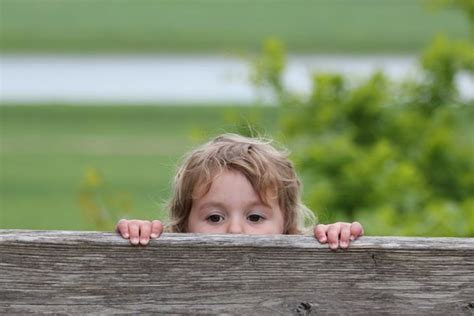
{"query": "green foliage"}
pixel 98 204
pixel 441 62
pixel 387 154
pixel 268 68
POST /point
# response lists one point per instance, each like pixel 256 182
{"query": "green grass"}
pixel 45 151
pixel 215 26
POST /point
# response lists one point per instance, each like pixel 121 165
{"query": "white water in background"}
pixel 176 79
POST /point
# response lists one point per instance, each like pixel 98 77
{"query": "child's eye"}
pixel 255 218
pixel 215 218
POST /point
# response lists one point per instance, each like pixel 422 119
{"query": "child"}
pixel 238 185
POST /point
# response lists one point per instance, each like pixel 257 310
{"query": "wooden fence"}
pixel 99 273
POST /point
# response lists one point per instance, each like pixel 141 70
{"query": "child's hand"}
pixel 338 234
pixel 139 231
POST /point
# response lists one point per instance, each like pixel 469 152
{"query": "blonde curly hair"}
pixel 267 169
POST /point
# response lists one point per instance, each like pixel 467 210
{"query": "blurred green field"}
pixel 215 26
pixel 46 150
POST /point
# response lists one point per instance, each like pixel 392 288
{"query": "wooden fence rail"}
pixel 99 273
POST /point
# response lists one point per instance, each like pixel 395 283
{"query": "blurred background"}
pixel 375 100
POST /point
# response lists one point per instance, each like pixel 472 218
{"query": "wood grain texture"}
pixel 100 273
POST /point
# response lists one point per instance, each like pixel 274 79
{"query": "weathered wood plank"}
pixel 98 273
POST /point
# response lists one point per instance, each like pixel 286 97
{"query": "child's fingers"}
pixel 122 228
pixel 156 228
pixel 134 230
pixel 345 235
pixel 320 231
pixel 145 231
pixel 333 235
pixel 356 230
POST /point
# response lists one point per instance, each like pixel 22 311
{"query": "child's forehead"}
pixel 231 182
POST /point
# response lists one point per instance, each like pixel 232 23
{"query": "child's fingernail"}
pixel 333 245
pixel 344 244
pixel 352 237
pixel 154 235
pixel 323 239
pixel 144 241
pixel 134 241
pixel 125 235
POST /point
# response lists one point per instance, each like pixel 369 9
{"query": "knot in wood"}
pixel 250 259
pixel 469 307
pixel 304 308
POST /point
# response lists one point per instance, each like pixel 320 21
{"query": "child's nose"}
pixel 235 227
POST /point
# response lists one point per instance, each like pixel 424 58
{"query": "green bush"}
pixel 391 155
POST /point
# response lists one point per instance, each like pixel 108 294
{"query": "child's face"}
pixel 231 206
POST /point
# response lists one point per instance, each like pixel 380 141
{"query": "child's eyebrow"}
pixel 222 205
pixel 216 204
pixel 257 203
